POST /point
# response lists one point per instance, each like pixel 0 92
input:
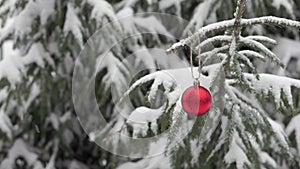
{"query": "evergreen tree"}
pixel 253 121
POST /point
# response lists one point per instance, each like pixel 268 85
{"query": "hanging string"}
pixel 196 78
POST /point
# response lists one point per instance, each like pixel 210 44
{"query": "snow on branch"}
pixel 6 125
pixel 141 117
pixel 294 126
pixel 277 85
pixel 20 22
pixel 227 24
pixel 237 147
pixel 206 56
pixel 252 54
pixel 21 149
pixel 12 67
pixel 261 48
pixel 215 39
pixel 73 24
pixel 262 39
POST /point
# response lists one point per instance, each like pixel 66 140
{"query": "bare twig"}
pixel 238 16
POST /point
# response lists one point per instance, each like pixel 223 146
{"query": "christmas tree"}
pixel 63 62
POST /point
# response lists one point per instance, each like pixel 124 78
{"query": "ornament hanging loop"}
pixel 196 78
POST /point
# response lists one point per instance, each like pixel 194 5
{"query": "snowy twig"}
pixel 215 39
pixel 262 39
pixel 252 54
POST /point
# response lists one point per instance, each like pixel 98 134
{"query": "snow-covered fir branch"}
pixel 229 24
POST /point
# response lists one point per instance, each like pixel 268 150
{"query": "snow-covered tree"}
pixel 239 131
pixel 41 40
pixel 253 123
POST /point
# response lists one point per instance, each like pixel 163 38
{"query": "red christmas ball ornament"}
pixel 196 100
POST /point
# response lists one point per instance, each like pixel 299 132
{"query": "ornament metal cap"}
pixel 196 82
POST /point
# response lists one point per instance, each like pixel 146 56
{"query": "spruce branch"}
pixel 229 24
pixel 208 55
pixel 261 48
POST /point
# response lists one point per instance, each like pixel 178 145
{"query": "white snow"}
pixel 19 148
pixel 260 48
pixel 12 66
pixel 275 84
pixel 196 149
pixel 294 126
pixel 8 6
pixel 203 15
pixel 165 4
pixel 37 54
pixel 154 89
pixel 285 50
pixel 101 8
pixel 280 134
pixel 116 70
pixel 129 3
pixel 260 38
pixel 140 118
pixel 7 29
pixel 236 152
pixel 143 56
pixel 3 94
pixel 74 164
pixel 33 94
pixel 73 24
pixel 266 158
pixel 216 52
pixel 23 21
pixel 167 61
pixel 5 124
pixel 152 25
pixel 252 54
pixel 159 161
pixel 287 4
pixel 46 8
pixel 232 48
pixel 210 41
pixel 54 121
pixel 222 138
pixel 65 117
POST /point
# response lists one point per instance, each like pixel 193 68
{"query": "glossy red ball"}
pixel 196 100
